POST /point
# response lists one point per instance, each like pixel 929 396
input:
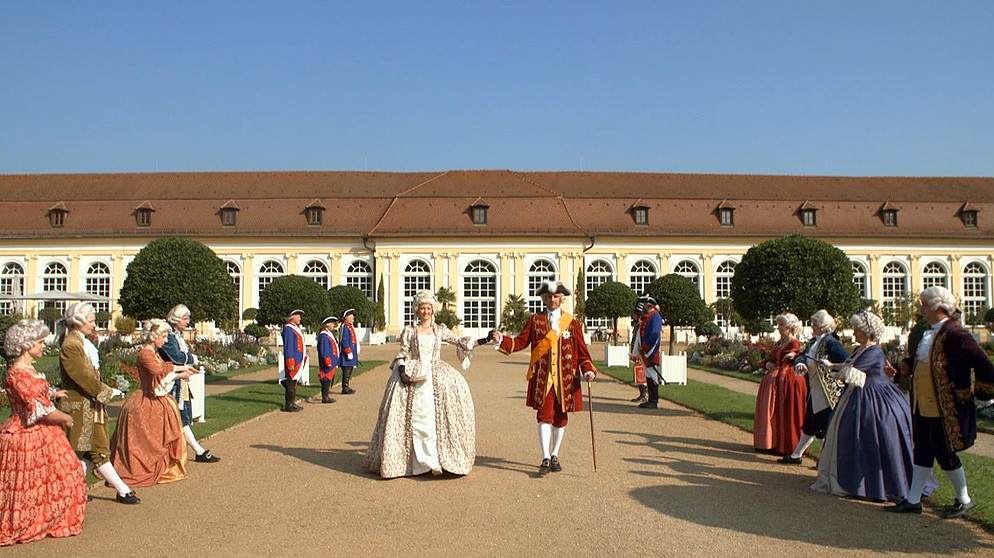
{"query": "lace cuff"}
pixel 464 350
pixel 165 387
pixel 852 376
pixel 39 412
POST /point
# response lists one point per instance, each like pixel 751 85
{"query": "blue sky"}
pixel 769 87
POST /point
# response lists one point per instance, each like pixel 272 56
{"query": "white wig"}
pixel 939 297
pixel 23 335
pixel 77 313
pixel 177 314
pixel 869 323
pixel 823 321
pixel 153 329
pixel 791 322
pixel 425 296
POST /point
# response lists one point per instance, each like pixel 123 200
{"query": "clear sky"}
pixel 902 87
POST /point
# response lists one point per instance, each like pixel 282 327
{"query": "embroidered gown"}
pixel 768 428
pixel 868 447
pixel 42 489
pixel 148 445
pixel 427 424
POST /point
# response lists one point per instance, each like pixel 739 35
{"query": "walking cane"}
pixel 590 409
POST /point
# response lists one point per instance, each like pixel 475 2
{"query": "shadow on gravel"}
pixel 347 461
pixel 505 465
pixel 772 500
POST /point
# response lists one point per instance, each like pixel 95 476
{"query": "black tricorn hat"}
pixel 552 287
pixel 294 313
pixel 329 319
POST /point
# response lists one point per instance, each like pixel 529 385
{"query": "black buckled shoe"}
pixel 789 460
pixel 959 509
pixel 545 468
pixel 554 465
pixel 905 506
pixel 207 457
pixel 130 499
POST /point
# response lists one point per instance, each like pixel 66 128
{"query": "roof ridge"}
pixel 393 201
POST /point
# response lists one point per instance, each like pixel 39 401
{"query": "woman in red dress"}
pixel 148 446
pixel 790 389
pixel 42 488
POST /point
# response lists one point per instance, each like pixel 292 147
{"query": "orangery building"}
pixel 487 234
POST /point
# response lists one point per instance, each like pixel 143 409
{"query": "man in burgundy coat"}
pixel 559 360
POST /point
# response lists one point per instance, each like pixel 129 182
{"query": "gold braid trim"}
pixel 946 393
pixel 984 388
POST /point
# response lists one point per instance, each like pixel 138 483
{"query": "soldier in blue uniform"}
pixel 328 357
pixel 350 350
pixel 294 361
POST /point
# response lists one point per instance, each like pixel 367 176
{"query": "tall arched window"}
pixel 235 271
pixel 975 294
pixel 895 284
pixel 360 275
pixel 598 273
pixel 723 286
pixel 690 270
pixel 98 283
pixel 640 275
pixel 317 270
pixel 417 277
pixel 540 270
pixel 859 279
pixel 479 298
pixel 269 270
pixel 934 274
pixel 55 278
pixel 11 283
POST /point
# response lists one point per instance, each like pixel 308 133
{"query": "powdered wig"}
pixel 869 323
pixel 791 322
pixel 425 296
pixel 177 314
pixel 22 336
pixel 823 321
pixel 939 297
pixel 76 315
pixel 153 329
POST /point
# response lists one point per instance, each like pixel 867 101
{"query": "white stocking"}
pixel 544 437
pixel 919 476
pixel 958 478
pixel 192 440
pixel 109 474
pixel 802 445
pixel 557 438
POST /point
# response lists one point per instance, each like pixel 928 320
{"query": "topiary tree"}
pixel 680 303
pixel 50 315
pixel 725 308
pixel 171 271
pixel 446 314
pixel 707 329
pixel 379 310
pixel 793 274
pixel 515 314
pixel 291 292
pixel 343 297
pixel 611 300
pixel 250 313
pixel 125 325
pixel 256 330
pixel 580 302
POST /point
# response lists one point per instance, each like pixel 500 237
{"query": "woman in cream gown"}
pixel 426 421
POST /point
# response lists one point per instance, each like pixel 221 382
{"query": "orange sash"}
pixel 545 344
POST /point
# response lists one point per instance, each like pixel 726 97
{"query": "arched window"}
pixel 975 294
pixel 540 270
pixel 859 279
pixel 640 275
pixel 934 274
pixel 235 271
pixel 269 270
pixel 98 283
pixel 55 278
pixel 723 286
pixel 598 273
pixel 360 275
pixel 317 270
pixel 479 298
pixel 895 284
pixel 690 270
pixel 417 276
pixel 11 283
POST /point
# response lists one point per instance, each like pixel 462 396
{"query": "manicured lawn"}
pixel 738 409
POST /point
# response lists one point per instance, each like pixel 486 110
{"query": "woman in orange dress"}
pixel 767 427
pixel 148 445
pixel 42 488
pixel 790 389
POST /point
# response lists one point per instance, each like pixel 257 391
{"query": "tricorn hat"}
pixel 552 287
pixel 329 319
pixel 293 313
pixel 346 313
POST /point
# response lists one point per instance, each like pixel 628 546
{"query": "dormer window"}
pixel 478 212
pixel 640 213
pixel 143 215
pixel 229 216
pixel 968 214
pixel 726 214
pixel 314 213
pixel 809 217
pixel 889 217
pixel 57 215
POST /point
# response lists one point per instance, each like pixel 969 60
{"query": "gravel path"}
pixel 669 483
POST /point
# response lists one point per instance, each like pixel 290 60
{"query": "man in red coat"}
pixel 559 360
